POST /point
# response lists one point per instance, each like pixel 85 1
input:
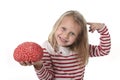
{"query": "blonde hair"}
pixel 81 44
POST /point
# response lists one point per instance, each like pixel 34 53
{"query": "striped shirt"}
pixel 63 65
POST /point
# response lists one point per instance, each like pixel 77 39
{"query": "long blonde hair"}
pixel 81 44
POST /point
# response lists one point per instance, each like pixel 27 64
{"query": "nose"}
pixel 65 35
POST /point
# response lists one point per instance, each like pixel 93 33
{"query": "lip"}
pixel 62 39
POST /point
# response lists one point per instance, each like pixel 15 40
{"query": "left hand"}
pixel 95 26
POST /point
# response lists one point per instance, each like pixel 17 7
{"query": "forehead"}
pixel 69 22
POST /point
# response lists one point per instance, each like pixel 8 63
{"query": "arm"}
pixel 105 42
pixel 45 71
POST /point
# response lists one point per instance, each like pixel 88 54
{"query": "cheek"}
pixel 58 32
pixel 73 39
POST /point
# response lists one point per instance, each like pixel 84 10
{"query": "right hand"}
pixel 37 65
pixel 95 26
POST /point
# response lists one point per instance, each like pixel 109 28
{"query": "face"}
pixel 67 32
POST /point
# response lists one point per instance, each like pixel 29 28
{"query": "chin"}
pixel 64 45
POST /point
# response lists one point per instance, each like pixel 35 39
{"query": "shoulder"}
pixel 45 43
pixel 47 46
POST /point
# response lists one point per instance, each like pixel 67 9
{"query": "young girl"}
pixel 67 50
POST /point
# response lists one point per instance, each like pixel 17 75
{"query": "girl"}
pixel 67 50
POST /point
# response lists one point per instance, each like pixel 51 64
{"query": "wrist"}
pixel 37 67
pixel 102 27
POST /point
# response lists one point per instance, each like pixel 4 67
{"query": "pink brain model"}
pixel 28 51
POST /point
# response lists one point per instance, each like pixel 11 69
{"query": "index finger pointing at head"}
pixel 89 23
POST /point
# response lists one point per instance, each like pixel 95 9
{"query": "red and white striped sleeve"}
pixel 105 44
pixel 46 72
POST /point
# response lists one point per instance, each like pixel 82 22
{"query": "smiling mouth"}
pixel 62 39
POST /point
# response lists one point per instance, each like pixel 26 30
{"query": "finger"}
pixel 37 63
pixel 22 63
pixel 28 63
pixel 90 23
pixel 92 29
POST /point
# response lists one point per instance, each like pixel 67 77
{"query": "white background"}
pixel 32 20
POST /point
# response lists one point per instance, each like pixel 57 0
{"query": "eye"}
pixel 71 33
pixel 63 29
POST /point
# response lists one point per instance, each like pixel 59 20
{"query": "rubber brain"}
pixel 28 51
